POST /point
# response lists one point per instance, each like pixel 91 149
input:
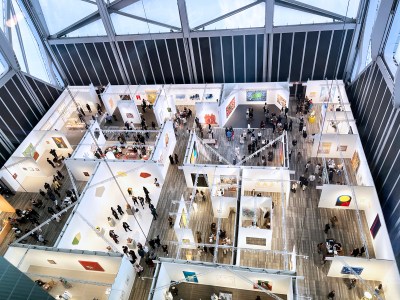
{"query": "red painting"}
pixel 230 107
pixel 91 265
pixel 145 175
pixel 210 119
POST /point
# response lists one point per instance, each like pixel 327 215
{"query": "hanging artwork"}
pixel 125 97
pixel 351 270
pixel 281 100
pixel 230 107
pixel 151 96
pixel 228 179
pixel 324 147
pixel 60 143
pixel 342 148
pixel 375 226
pixel 256 96
pixel 129 115
pixel 166 139
pixel 265 284
pixel 343 200
pixel 327 94
pixel 111 103
pixel 52 262
pixel 77 239
pixel 91 265
pixel 355 161
pixel 144 175
pixel 29 151
pixel 190 276
pixel 210 119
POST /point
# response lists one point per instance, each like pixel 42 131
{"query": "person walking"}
pixel 176 158
pixel 135 202
pixel 125 250
pixel 157 241
pixel 126 226
pixel 145 190
pixel 141 199
pixel 51 163
pixel 139 270
pixel 152 244
pixel 165 249
pixel 60 175
pixel 88 108
pixel 171 159
pixel 154 213
pixel 114 213
pixel 133 255
pixel 119 209
pixel 331 295
pixel 326 229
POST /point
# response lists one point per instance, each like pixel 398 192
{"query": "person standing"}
pixel 126 226
pixel 133 255
pixel 154 213
pixel 82 112
pixel 171 159
pixel 114 213
pixel 176 158
pixel 88 108
pixel 331 295
pixel 157 241
pixel 326 229
pixel 119 209
pixel 51 163
pixel 60 175
pixel 165 249
pixel 138 268
pixel 145 190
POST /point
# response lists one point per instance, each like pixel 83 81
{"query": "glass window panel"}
pixel 337 6
pixel 287 16
pixel 200 12
pixel 17 49
pixel 126 25
pixel 95 28
pixel 62 13
pixel 33 55
pixel 164 11
pixel 2 15
pixel 3 66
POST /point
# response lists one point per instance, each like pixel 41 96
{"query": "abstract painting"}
pixel 281 100
pixel 324 147
pixel 343 200
pixel 210 119
pixel 91 265
pixel 230 107
pixel 348 270
pixel 60 143
pixel 375 226
pixel 355 161
pixel 77 239
pixel 256 96
pixel 130 115
pixel 190 276
pixel 265 284
pixel 29 151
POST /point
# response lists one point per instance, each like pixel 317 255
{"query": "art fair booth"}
pixel 113 184
pixel 75 275
pixel 217 282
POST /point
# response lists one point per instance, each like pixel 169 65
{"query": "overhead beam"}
pixel 229 14
pixel 293 4
pixel 7 14
pixel 88 1
pixel 144 20
pixel 21 43
pixel 78 24
pixel 120 4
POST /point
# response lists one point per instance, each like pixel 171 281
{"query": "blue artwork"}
pixel 190 276
pixel 348 271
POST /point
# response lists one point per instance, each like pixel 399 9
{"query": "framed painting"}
pixel 265 284
pixel 375 226
pixel 190 276
pixel 351 270
pixel 230 107
pixel 256 96
pixel 60 143
pixel 324 147
pixel 343 200
pixel 91 265
pixel 342 148
pixel 281 100
pixel 355 161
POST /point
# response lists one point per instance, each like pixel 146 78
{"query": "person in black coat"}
pixel 171 159
pixel 119 209
pixel 114 213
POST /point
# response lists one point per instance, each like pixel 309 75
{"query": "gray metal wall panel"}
pixel 297 55
pixel 228 58
pixel 284 62
pixel 322 53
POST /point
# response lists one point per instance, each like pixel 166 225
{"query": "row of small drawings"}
pixel 30 169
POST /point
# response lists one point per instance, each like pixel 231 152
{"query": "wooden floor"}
pixel 304 228
pixel 201 291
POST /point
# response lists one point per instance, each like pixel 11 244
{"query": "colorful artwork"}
pixel 351 270
pixel 166 139
pixel 144 175
pixel 121 174
pixel 230 107
pixel 183 221
pixel 111 103
pixel 248 212
pixel 193 156
pixel 324 147
pixel 210 119
pixel 343 200
pixel 60 143
pixel 256 96
pixel 35 155
pixel 342 148
pixel 180 96
pixel 265 284
pixel 228 179
pixel 312 95
pixel 130 115
pixel 77 239
pixel 91 265
pixel 29 151
pixel 151 96
pixel 282 101
pixel 375 226
pixel 125 97
pixel 190 276
pixel 355 161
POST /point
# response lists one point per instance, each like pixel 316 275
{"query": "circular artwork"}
pixel 343 200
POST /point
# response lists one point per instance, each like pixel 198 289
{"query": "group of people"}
pixel 182 117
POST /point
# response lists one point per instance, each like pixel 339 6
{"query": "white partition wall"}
pixel 129 111
pixel 334 146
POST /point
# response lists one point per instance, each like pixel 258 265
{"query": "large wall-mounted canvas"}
pixel 256 96
pixel 59 141
pixel 281 100
pixel 91 265
pixel 355 161
pixel 190 276
pixel 348 271
pixel 265 284
pixel 375 226
pixel 324 147
pixel 230 107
